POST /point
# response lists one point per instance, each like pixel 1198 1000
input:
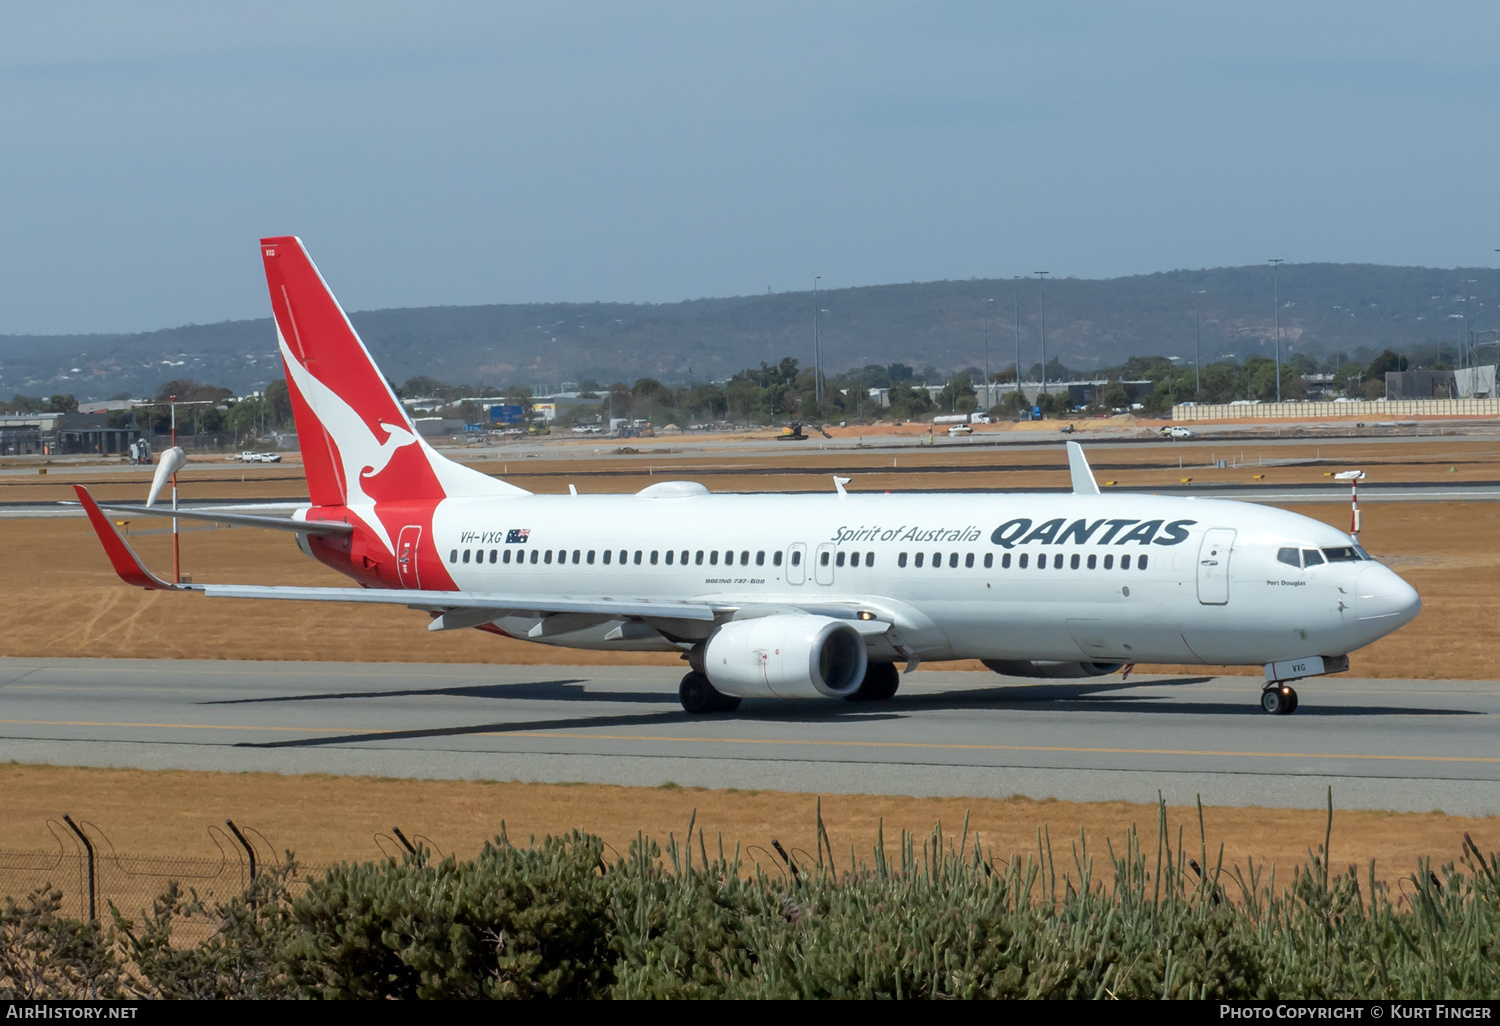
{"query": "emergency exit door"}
pixel 823 563
pixel 796 563
pixel 1213 566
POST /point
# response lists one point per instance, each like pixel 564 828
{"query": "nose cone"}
pixel 1383 601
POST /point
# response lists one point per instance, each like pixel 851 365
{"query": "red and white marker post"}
pixel 1354 477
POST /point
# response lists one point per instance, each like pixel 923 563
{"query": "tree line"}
pixel 786 390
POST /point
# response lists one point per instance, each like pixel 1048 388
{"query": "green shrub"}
pixel 515 923
pixel 942 918
pixel 47 955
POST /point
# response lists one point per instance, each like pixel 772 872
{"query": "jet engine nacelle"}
pixel 1049 668
pixel 785 656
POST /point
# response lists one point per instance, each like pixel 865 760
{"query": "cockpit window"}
pixel 1290 557
pixel 1343 554
pixel 1311 557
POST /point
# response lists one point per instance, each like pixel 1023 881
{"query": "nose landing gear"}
pixel 1278 700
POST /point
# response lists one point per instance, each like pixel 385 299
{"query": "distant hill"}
pixel 1090 323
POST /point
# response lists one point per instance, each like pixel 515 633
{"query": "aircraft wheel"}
pixel 1278 700
pixel 698 696
pixel 880 684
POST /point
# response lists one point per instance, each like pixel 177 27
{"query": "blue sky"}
pixel 479 153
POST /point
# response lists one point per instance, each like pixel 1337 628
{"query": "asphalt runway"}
pixel 1402 745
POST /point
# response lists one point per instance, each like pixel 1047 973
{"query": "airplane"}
pixel 788 596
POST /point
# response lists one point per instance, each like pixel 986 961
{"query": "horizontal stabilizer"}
pixel 126 563
pixel 330 528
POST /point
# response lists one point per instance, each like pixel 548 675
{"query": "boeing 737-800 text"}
pixel 791 596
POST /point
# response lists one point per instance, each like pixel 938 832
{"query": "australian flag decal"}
pixel 517 536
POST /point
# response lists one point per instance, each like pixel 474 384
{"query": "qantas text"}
pixel 1081 532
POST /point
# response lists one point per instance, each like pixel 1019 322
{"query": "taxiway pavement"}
pixel 1380 744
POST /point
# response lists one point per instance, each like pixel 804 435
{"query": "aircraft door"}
pixel 1213 566
pixel 796 563
pixel 823 565
pixel 406 556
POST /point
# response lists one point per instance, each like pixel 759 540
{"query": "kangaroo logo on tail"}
pixel 362 456
pixel 358 445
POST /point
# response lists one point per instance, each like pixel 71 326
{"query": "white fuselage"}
pixel 1123 577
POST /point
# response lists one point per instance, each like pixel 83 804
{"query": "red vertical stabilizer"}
pixel 358 445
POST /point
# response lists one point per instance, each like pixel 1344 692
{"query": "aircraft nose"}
pixel 1383 601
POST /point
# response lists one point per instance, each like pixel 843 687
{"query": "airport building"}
pixel 1467 383
pixel 56 434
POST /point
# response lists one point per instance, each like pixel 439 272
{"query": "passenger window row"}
pixel 671 557
pixel 838 560
pixel 625 557
pixel 1075 561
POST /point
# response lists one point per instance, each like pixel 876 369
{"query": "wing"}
pixel 511 604
pixel 132 571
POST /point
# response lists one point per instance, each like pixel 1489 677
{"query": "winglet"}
pixel 127 564
pixel 1078 466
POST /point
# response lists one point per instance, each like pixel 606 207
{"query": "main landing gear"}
pixel 1278 700
pixel 699 697
pixel 880 684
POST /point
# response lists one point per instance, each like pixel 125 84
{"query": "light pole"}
pixel 176 551
pixel 1463 355
pixel 1197 344
pixel 817 347
pixel 986 309
pixel 1041 277
pixel 1017 279
pixel 1276 307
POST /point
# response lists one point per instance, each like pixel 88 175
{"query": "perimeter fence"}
pixel 948 917
pixel 92 876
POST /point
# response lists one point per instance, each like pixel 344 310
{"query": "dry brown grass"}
pixel 327 819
